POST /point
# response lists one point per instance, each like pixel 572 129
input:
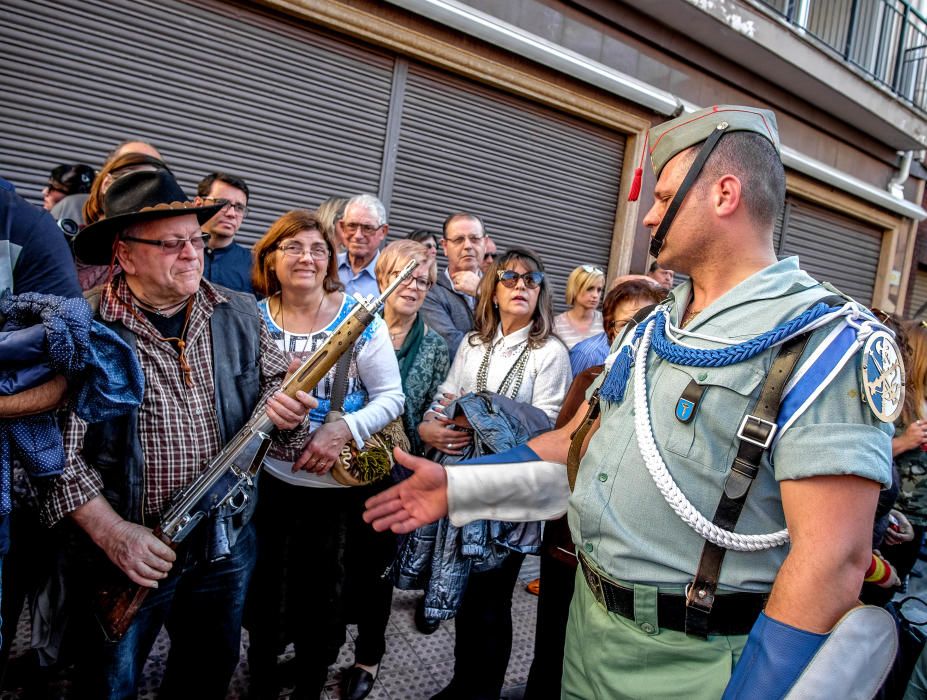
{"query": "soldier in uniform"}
pixel 703 450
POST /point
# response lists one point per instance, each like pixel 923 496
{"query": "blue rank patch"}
pixel 882 376
pixel 685 409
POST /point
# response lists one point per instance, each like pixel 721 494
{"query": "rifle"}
pixel 223 489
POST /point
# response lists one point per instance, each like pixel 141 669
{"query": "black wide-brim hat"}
pixel 132 199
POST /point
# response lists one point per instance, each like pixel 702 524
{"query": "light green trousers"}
pixel 609 657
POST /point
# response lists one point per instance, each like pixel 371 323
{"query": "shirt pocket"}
pixel 710 437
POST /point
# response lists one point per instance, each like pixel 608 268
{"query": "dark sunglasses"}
pixel 509 278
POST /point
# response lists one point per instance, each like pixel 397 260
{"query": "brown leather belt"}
pixel 732 613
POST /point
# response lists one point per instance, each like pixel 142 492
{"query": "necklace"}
pixel 688 316
pixel 511 383
pixel 180 339
pixel 164 311
pixel 400 332
pixel 398 326
pixel 308 336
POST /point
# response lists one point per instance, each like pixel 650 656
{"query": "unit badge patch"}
pixel 684 410
pixel 882 376
pixel 687 404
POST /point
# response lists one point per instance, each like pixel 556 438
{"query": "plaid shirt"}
pixel 177 424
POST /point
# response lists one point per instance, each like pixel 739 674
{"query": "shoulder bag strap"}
pixel 339 386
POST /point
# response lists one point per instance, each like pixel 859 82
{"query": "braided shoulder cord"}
pixel 668 348
pixel 664 481
pixel 722 357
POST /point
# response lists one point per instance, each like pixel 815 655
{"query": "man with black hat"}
pixel 208 364
pixel 753 400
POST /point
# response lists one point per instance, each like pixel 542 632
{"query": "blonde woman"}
pixel 329 213
pixel 583 294
pixel 423 361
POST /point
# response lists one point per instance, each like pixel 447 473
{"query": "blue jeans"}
pixel 201 605
pixel 4 548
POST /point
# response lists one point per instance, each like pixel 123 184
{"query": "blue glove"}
pixel 774 657
pixel 520 453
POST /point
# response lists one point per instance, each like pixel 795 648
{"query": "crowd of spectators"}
pixel 214 325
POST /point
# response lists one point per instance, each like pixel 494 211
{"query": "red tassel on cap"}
pixel 635 190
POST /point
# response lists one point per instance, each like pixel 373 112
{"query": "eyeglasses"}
pixel 52 187
pixel 460 240
pixel 619 323
pixel 489 256
pixel 295 250
pixel 237 207
pixel 509 278
pixel 366 229
pixel 173 245
pixel 422 284
pixel 589 269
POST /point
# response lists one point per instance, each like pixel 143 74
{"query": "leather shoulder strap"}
pixel 756 433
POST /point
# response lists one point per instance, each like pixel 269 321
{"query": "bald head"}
pixel 142 147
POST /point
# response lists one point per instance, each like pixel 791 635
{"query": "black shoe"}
pixel 448 693
pixel 356 683
pixel 422 623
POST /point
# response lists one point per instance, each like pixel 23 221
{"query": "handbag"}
pixel 358 467
pixel 911 640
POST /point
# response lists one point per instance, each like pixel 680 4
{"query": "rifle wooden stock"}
pixel 118 598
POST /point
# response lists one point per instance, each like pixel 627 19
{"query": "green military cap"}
pixel 676 135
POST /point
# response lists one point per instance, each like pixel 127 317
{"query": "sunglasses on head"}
pixel 883 316
pixel 509 278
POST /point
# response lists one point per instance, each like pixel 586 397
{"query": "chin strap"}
pixel 656 243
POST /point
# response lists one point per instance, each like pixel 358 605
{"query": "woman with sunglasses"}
pixel 304 517
pixel 583 294
pixel 512 352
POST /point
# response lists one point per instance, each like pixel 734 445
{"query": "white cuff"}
pixel 518 492
pixel 351 421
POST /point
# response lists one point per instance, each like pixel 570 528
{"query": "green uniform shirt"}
pixel 617 515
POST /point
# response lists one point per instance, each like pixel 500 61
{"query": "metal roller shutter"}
pixel 780 221
pixel 917 301
pixel 538 178
pixel 832 247
pixel 215 86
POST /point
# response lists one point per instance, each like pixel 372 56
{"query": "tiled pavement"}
pixel 414 668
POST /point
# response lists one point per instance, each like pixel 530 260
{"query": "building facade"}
pixel 529 112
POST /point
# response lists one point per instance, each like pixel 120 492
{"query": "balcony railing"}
pixel 886 39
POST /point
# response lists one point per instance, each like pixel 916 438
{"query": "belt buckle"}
pixel 767 431
pixel 594 581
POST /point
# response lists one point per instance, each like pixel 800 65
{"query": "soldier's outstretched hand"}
pixel 417 501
